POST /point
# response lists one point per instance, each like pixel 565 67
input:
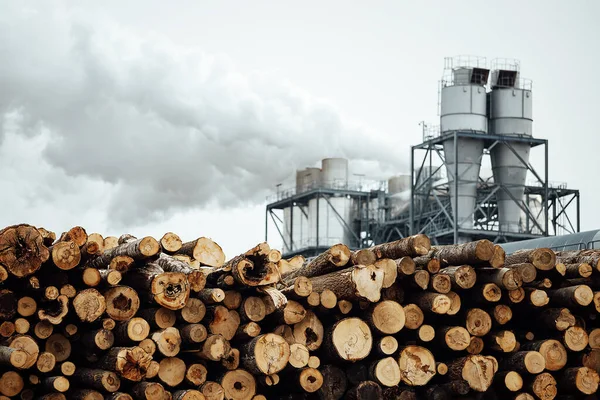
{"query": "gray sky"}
pixel 144 116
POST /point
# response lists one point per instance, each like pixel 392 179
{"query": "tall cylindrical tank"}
pixel 307 179
pixel 464 109
pixel 510 114
pixel 334 173
pixel 295 228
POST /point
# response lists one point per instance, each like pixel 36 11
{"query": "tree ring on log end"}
pixel 352 339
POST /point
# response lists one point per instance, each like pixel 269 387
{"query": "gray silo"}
pixel 511 115
pixel 464 109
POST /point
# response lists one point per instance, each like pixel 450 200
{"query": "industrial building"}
pixel 486 118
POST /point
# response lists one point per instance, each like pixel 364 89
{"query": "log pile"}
pixel 87 317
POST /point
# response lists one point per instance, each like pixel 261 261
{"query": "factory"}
pixel 472 177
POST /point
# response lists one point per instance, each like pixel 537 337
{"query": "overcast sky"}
pixel 147 116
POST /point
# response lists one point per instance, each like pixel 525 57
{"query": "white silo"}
pixel 464 109
pixel 295 218
pixel 307 179
pixel 511 115
pixel 332 212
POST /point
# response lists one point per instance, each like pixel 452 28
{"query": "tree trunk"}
pixel 139 249
pixel 367 390
pixel 168 341
pixel 89 305
pixel 195 278
pixel 411 246
pixel 22 250
pixel 432 302
pixel 454 338
pixel 502 341
pixel 530 362
pixel 553 351
pixel 65 255
pixel 420 279
pixel 578 380
pixel 349 339
pixel 578 296
pixel 266 354
pixel 105 381
pixel 390 271
pixel 477 370
pixel 171 371
pixel 334 383
pixel 363 257
pixel 195 375
pixel 162 318
pixel 386 317
pixel 354 283
pixel 385 372
pixel 222 321
pixel 122 303
pixel 471 253
pixel 193 334
pixel 205 250
pixel 543 259
pixel 238 384
pixel 414 316
pixel 331 260
pixel 479 322
pixel 504 278
pixel 417 365
pixel 171 243
pixel 134 330
pixel 309 331
pixel 55 311
pixel 148 391
pixel 131 363
pixel 462 277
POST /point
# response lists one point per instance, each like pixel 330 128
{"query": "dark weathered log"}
pixel 543 259
pixel 85 394
pixel 333 259
pixel 529 362
pixel 334 383
pixel 411 246
pixel 471 253
pixel 399 393
pixel 417 365
pixel 591 257
pixel 22 250
pixel 105 381
pixel 8 304
pixel 578 296
pixel 364 390
pixel 54 311
pixel 148 391
pixel 578 380
pixel 139 249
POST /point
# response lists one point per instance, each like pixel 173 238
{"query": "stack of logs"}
pixel 92 317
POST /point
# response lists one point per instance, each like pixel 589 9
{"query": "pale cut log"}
pixel 328 300
pixel 309 331
pixel 222 321
pixel 299 356
pixel 441 368
pixel 426 333
pixel 543 386
pixel 478 322
pixel 238 384
pixel 195 278
pixel 253 309
pixel 471 253
pixel 93 246
pixel 405 266
pixel 417 365
pixel 11 384
pixel 212 391
pixel 168 341
pixel 440 283
pixel 274 297
pixel 149 391
pixel 331 260
pixel 386 317
pixel 247 331
pixel 12 357
pixel 461 277
pixel 476 345
pixel 543 259
pixel 454 338
pixel 214 348
pixel 134 330
pixel 385 372
pixel 26 306
pixel 390 271
pixel 455 303
pixel 334 383
pixel 171 243
pixel 363 257
pixel 428 263
pixel 420 279
pixel 205 250
pixel 502 341
pixel 508 381
pixel 22 326
pixel 344 306
pixel 594 338
pixel 139 249
pixel 193 334
pixel 51 293
pixel 529 362
pixel 28 345
pixel 152 370
pixel 364 390
pixel 162 318
pixel 552 350
pixel 300 289
pixel 314 362
pixel 560 268
pixel 89 305
pixel 195 375
pixel 578 296
pixel 579 380
pixel 45 362
pixel 65 255
pixel 122 302
pixel 232 300
pixel 110 242
pixel 414 316
pixel 77 234
pixel 101 339
pixel 211 295
pixel 354 283
pixel 432 302
pixel 43 329
pixel 349 339
pixel 527 270
pixel 167 289
pixel 121 264
pixel 59 346
pixel 266 354
pixel 67 368
pixel 504 278
pixel 477 370
pixel 502 314
pixel 536 297
pixel 22 250
pixel 578 270
pixel 118 395
pixel 575 338
pixel 411 246
pixel 499 257
pixel 171 371
pixel 516 296
pixel 130 363
pixel 313 299
pixel 55 384
pixel 486 294
pixel 105 381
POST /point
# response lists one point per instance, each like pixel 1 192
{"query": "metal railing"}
pixel 351 186
pixel 507 64
pixel 465 61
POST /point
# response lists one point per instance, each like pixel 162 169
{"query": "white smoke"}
pixel 163 128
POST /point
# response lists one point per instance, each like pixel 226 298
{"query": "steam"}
pixel 160 128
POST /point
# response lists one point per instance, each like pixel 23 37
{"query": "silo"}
pixel 464 109
pixel 307 179
pixel 511 115
pixel 331 223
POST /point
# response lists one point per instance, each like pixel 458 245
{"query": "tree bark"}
pixel 354 283
pixel 477 370
pixel 579 380
pixel 334 383
pixel 411 246
pixel 432 302
pixel 131 363
pixel 195 278
pixel 331 260
pixel 365 390
pixel 167 289
pixel 529 362
pixel 462 277
pixel 139 249
pixel 162 318
pixel 543 259
pixel 471 253
pixel 504 278
pixel 105 381
pixel 578 296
